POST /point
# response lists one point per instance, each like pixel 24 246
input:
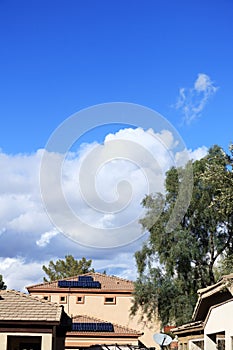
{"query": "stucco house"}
pixel 100 335
pixel 28 323
pixel 103 297
pixel 212 321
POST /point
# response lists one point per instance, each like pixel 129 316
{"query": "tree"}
pixel 225 265
pixel 221 178
pixel 173 265
pixel 67 268
pixel 2 283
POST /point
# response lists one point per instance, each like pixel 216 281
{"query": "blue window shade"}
pixel 93 327
pixel 85 278
pixel 83 283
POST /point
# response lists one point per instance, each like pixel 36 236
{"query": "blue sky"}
pixel 59 57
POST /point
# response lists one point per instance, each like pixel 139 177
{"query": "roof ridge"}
pixel 40 284
pixel 49 282
pixel 212 286
pixel 91 317
pixel 98 274
pixel 223 279
pixel 105 275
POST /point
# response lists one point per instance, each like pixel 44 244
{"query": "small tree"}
pixel 2 284
pixel 67 268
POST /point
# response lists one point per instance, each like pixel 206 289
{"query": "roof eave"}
pixel 192 327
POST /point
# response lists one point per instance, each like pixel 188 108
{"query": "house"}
pixel 28 323
pixel 96 295
pixel 212 321
pixel 98 334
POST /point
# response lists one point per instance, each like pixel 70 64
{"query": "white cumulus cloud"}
pixel 28 239
pixel 17 273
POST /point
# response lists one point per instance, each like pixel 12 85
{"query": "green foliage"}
pixel 2 283
pixel 173 265
pixel 158 296
pixel 67 268
pixel 225 265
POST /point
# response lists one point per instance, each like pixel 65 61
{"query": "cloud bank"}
pixel 28 239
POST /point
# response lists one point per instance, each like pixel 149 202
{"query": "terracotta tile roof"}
pixel 16 306
pixel 108 283
pixel 118 329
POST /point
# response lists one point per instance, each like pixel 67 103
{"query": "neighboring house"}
pixel 190 336
pixel 104 297
pixel 99 334
pixel 212 324
pixel 27 323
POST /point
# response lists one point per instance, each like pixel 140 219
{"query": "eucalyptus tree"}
pixel 173 265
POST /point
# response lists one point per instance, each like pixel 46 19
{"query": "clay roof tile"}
pixel 15 306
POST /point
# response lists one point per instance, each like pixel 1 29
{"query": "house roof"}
pixel 209 298
pixel 212 295
pixel 107 284
pixel 16 306
pixel 189 328
pixel 118 330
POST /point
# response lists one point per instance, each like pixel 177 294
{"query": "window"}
pixel 221 344
pixel 46 297
pixel 23 343
pixel 80 299
pixel 62 299
pixel 110 300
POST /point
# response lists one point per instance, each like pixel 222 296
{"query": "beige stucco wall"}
pixel 220 319
pixel 116 313
pixel 3 341
pixel 46 342
pixel 71 341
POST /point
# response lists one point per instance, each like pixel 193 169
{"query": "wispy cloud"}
pixel 191 101
pixel 46 238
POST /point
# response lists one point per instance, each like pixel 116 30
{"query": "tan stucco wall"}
pixel 117 313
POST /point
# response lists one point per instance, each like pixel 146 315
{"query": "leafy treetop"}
pixel 67 268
